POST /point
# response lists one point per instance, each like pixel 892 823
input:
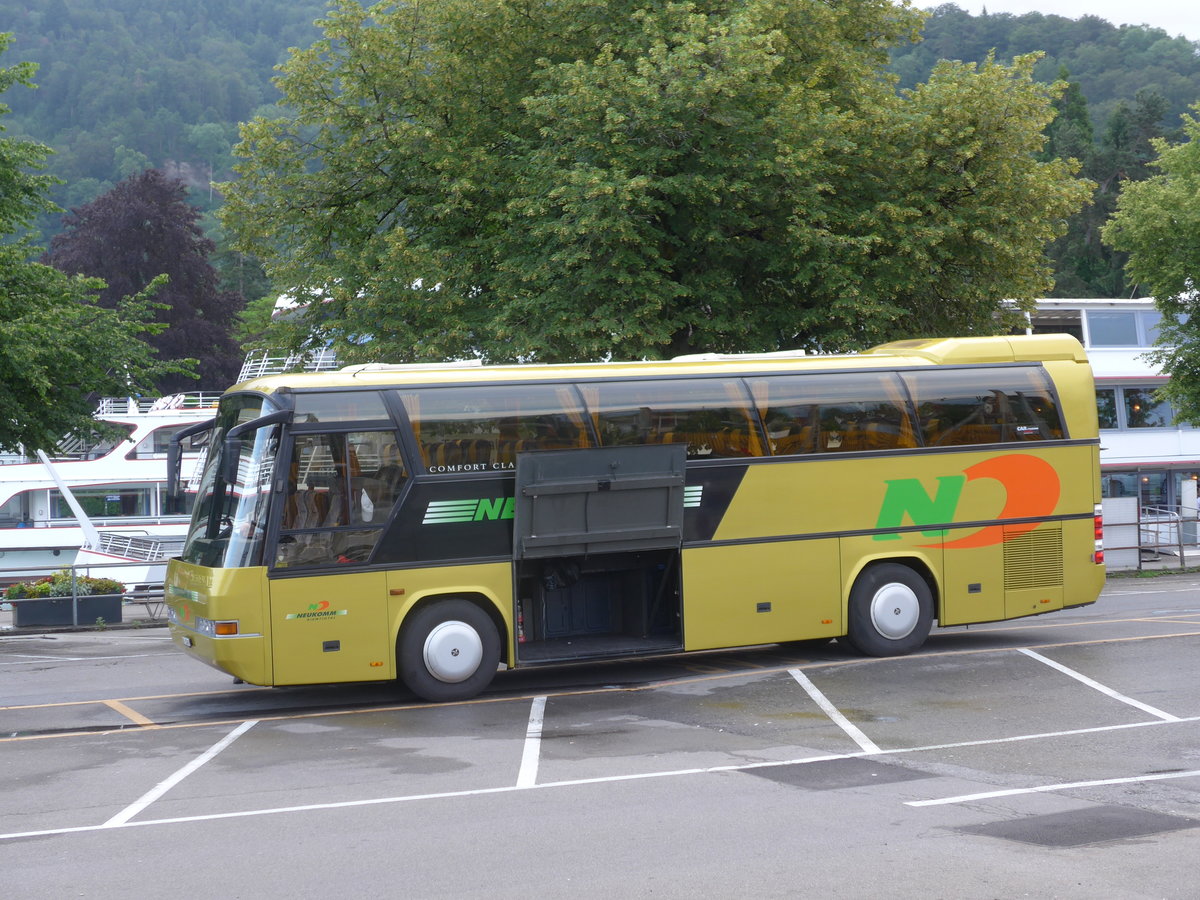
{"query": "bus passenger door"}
pixel 330 627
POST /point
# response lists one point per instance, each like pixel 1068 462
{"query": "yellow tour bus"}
pixel 437 523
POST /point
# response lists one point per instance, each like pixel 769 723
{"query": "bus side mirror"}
pixel 174 498
pixel 230 457
pixel 174 453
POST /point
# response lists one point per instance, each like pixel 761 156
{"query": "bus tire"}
pixel 448 650
pixel 890 611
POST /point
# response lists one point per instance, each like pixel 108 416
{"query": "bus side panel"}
pixel 330 627
pixel 489 584
pixel 972 585
pixel 198 596
pixel 761 593
pixel 1083 578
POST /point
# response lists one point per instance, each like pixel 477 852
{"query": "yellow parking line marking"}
pixel 134 699
pixel 131 714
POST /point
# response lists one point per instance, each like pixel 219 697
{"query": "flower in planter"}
pixel 61 584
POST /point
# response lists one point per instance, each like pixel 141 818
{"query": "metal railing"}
pixel 1151 536
pixel 146 548
pixel 116 406
pixel 260 362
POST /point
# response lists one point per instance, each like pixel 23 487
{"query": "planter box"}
pixel 57 610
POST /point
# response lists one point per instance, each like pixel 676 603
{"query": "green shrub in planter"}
pixel 48 601
pixel 61 584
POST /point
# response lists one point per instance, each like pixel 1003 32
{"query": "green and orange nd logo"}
pixel 1031 487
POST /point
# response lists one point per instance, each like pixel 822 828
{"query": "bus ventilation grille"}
pixel 1033 559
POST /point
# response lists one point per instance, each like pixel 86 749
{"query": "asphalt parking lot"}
pixel 1057 756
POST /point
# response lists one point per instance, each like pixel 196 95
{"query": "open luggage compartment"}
pixel 597 543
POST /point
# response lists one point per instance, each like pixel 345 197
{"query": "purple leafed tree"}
pixel 144 227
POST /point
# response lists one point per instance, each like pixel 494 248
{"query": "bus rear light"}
pixel 225 629
pixel 1098 555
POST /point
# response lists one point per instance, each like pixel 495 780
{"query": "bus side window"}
pixel 959 407
pixel 380 479
pixel 482 429
pixel 341 489
pixel 834 413
pixel 712 416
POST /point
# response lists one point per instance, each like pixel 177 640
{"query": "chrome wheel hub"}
pixel 453 652
pixel 895 610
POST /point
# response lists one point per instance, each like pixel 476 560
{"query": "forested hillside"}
pixel 1109 63
pixel 128 84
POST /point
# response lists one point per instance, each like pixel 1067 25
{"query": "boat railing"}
pixel 99 521
pixel 116 406
pixel 260 362
pixel 148 548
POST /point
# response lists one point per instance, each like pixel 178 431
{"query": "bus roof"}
pixel 937 351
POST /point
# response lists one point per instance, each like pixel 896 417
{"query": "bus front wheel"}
pixel 448 651
pixel 891 611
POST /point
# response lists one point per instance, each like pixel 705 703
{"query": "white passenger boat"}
pixel 119 484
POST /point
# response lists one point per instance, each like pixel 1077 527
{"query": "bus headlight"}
pixel 211 628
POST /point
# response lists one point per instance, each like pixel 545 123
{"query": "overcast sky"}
pixel 1175 17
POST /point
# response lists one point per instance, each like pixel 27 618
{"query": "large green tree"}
pixel 574 178
pixel 1157 223
pixel 58 348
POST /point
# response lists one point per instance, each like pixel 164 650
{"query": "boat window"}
pixel 1106 407
pixel 154 445
pixel 1143 409
pixel 14 512
pixel 110 501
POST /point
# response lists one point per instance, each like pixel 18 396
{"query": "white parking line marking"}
pixel 527 777
pixel 123 817
pixel 1045 788
pixel 1078 676
pixel 605 779
pixel 27 658
pixel 845 724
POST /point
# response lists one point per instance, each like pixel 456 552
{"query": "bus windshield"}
pixel 229 518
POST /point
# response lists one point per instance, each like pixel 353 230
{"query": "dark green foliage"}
pixel 1157 222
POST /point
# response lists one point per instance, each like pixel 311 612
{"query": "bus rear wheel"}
pixel 449 650
pixel 891 611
